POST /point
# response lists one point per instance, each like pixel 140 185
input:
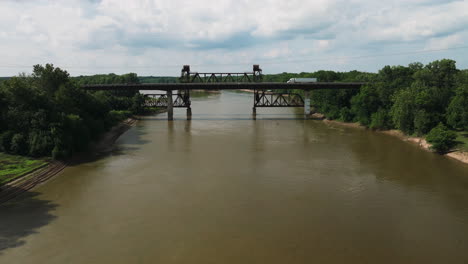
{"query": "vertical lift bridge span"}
pixel 266 94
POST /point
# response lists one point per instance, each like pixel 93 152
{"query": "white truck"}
pixel 302 80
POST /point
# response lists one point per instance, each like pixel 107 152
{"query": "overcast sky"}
pixel 157 37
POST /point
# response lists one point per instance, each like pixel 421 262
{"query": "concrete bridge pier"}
pixel 170 106
pixel 189 113
pixel 306 104
pixel 254 113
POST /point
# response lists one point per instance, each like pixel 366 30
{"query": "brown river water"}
pixel 223 188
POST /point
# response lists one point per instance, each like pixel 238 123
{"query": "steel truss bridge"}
pixel 266 94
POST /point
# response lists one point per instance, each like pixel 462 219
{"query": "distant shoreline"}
pixel 461 156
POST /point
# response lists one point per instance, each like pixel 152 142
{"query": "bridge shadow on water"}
pixel 23 216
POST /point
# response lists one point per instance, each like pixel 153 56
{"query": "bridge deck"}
pixel 225 86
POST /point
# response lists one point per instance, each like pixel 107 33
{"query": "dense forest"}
pixel 125 78
pixel 48 114
pixel 415 99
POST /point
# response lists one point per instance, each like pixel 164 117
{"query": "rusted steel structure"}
pixel 187 76
pixel 268 99
pixel 161 100
pixel 265 94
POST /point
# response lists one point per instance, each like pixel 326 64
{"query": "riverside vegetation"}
pixel 416 99
pixel 47 114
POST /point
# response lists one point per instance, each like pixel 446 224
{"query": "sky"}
pixel 157 37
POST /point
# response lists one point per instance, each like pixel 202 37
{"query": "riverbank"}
pixel 13 166
pixel 459 155
pixel 46 170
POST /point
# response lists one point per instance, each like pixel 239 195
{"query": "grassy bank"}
pixel 12 167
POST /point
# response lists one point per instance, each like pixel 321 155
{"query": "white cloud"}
pixel 446 42
pixel 119 35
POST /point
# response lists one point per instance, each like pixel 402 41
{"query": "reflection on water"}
pixel 223 188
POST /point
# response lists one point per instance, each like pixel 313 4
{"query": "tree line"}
pixel 48 114
pixel 415 99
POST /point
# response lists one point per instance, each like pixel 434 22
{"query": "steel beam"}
pixel 224 86
pixel 269 99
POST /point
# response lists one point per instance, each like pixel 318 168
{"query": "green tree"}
pixel 5 140
pixel 3 109
pixel 457 111
pixel 380 119
pixel 440 78
pixel 40 143
pixel 441 138
pixel 414 109
pixel 50 78
pixel 403 111
pixel 346 115
pixel 365 103
pixel 19 145
pixel 423 122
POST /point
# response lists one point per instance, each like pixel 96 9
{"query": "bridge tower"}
pixel 185 94
pixel 257 73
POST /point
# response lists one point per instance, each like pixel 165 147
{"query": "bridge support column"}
pixel 189 113
pixel 170 106
pixel 306 104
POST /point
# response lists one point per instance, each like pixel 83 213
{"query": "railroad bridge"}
pixel 265 94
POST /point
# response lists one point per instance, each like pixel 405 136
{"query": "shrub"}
pixel 333 113
pixel 19 145
pixel 59 153
pixel 117 116
pixel 424 122
pixel 5 141
pixel 457 112
pixel 346 115
pixel 40 143
pixel 138 102
pixel 380 120
pixel 441 138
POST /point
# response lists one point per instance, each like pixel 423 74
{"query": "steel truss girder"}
pixel 269 99
pixel 181 100
pixel 220 77
pixel 209 77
